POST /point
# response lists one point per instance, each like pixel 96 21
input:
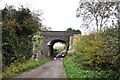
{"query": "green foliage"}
pixel 90 49
pixel 75 70
pixel 37 46
pixel 73 30
pixel 37 39
pixel 97 52
pixel 17 68
pixel 18 26
pixel 99 49
pixel 111 47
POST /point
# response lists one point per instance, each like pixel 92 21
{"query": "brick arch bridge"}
pixel 52 37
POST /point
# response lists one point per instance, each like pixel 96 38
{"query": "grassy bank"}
pixel 74 70
pixel 18 68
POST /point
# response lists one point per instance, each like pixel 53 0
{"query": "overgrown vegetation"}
pixel 18 27
pixel 100 51
pixel 37 39
pixel 76 70
pixel 97 54
pixel 17 68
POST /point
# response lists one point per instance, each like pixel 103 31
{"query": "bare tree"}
pixel 97 13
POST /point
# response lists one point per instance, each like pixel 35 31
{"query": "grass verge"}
pixel 74 70
pixel 18 68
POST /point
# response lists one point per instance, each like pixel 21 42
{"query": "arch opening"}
pixel 52 50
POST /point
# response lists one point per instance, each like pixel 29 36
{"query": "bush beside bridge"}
pixel 96 53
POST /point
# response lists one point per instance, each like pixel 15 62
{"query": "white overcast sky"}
pixel 58 14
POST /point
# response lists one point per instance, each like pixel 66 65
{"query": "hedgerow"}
pixel 98 50
pixel 18 27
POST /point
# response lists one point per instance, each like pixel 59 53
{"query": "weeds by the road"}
pixel 74 70
pixel 18 68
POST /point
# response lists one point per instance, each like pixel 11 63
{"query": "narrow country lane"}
pixel 52 69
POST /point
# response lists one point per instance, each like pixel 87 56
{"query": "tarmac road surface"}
pixel 52 69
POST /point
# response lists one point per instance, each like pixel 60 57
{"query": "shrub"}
pixel 18 26
pixel 99 49
pixel 111 47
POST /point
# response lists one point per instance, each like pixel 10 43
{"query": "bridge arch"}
pixel 52 37
pixel 51 44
